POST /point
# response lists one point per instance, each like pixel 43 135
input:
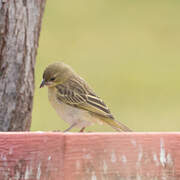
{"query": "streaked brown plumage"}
pixel 74 100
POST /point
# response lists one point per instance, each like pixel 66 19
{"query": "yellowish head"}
pixel 55 74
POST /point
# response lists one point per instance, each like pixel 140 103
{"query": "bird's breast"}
pixel 68 113
pixel 63 110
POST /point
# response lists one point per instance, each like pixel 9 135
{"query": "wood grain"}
pixel 89 156
pixel 31 156
pixel 20 24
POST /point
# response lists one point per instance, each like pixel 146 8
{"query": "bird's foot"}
pixel 68 129
pixel 56 130
pixel 82 129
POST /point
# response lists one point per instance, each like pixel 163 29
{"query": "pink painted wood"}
pixel 89 156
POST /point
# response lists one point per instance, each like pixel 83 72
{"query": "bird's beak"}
pixel 42 83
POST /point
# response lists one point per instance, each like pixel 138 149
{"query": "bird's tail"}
pixel 116 125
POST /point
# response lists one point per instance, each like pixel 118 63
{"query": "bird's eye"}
pixel 52 79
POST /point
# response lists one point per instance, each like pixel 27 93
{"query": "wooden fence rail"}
pixel 89 156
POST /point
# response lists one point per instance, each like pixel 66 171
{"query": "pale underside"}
pixel 71 114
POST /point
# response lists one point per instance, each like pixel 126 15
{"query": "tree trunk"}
pixel 20 23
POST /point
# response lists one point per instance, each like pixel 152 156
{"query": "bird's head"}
pixel 55 74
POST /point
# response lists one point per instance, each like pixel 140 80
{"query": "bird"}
pixel 74 100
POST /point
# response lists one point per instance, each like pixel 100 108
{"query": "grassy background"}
pixel 128 51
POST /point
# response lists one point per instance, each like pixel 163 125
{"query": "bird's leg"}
pixel 69 128
pixel 82 129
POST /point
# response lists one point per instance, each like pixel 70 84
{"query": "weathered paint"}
pixel 124 156
pixel 28 172
pixel 38 176
pixel 123 159
pixel 155 158
pixel 105 167
pixel 113 157
pixel 162 153
pixel 89 156
pixel 31 156
pixel 93 177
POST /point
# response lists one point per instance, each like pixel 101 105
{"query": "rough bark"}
pixel 20 22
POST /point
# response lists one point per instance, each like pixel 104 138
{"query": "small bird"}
pixel 74 100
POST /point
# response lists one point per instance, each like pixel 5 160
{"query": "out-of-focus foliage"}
pixel 128 51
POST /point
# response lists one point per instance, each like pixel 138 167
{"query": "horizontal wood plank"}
pixel 31 156
pixel 89 156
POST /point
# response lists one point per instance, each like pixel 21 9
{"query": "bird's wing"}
pixel 77 94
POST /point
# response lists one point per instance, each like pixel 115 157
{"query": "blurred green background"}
pixel 128 51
